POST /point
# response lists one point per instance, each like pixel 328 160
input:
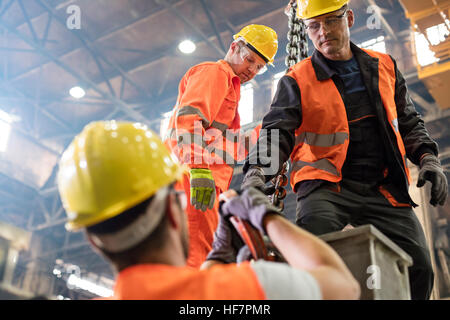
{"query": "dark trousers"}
pixel 328 209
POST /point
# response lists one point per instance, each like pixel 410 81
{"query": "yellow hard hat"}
pixel 261 38
pixel 312 8
pixel 111 167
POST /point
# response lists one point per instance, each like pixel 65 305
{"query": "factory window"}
pixel 275 80
pixel 246 104
pixel 435 35
pixel 376 44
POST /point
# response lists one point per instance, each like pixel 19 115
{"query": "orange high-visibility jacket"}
pixel 164 282
pixel 204 127
pixel 204 132
pixel 322 139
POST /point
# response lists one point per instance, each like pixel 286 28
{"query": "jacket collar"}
pixel 324 72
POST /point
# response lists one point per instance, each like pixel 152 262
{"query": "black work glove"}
pixel 252 205
pixel 226 244
pixel 255 178
pixel 431 170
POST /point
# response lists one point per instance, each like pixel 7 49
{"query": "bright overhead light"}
pixel 76 282
pixel 77 92
pixel 187 46
pixel 8 118
pixel 5 129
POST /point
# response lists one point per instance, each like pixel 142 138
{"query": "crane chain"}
pixel 297 47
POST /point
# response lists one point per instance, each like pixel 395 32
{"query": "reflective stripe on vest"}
pixel 322 164
pixel 321 140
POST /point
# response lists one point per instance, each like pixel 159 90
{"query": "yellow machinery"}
pixel 425 14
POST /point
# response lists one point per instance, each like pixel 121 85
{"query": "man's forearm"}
pixel 300 248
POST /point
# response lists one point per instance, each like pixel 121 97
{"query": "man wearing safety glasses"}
pixel 345 118
pixel 203 127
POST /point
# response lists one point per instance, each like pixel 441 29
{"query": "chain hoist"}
pixel 259 246
pixel 297 47
pixel 297 50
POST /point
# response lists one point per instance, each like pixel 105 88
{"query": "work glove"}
pixel 244 254
pixel 226 244
pixel 431 170
pixel 255 178
pixel 252 205
pixel 203 189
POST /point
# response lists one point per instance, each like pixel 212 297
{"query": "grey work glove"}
pixel 431 170
pixel 252 205
pixel 255 178
pixel 226 244
pixel 244 254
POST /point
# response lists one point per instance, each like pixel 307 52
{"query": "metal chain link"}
pixel 297 48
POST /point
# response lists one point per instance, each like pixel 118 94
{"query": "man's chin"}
pixel 244 79
pixel 329 50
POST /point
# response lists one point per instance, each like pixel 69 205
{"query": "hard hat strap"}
pixel 136 231
pixel 257 52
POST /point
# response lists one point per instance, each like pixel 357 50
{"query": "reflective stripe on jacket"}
pixel 164 282
pixel 322 139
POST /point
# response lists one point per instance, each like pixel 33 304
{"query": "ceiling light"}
pixel 5 130
pixel 187 46
pixel 77 92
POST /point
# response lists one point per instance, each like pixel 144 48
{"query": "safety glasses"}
pixel 254 65
pixel 330 23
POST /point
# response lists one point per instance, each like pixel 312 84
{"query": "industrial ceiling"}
pixel 124 54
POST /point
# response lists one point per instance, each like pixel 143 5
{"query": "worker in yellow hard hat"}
pixel 347 122
pixel 205 113
pixel 116 182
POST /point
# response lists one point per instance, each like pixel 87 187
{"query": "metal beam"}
pixel 95 53
pixel 428 106
pixel 119 103
pixel 6 7
pixel 213 24
pixel 45 112
pixel 181 16
pixel 146 15
pixel 436 116
pixel 10 196
pixel 28 21
pixel 383 21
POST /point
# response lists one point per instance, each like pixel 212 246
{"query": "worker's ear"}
pixel 94 246
pixel 173 212
pixel 350 18
pixel 234 47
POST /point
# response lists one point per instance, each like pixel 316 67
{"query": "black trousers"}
pixel 328 209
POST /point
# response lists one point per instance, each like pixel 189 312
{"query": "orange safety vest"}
pixel 204 129
pixel 323 137
pixel 164 282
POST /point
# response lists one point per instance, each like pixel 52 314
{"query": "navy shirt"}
pixel 350 74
